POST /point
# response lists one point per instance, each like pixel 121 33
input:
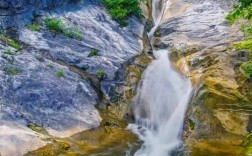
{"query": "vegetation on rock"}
pixel 34 27
pixel 100 73
pixel 121 10
pixel 57 26
pixel 94 52
pixel 60 73
pixel 243 11
pixel 247 68
pixel 8 52
pixel 11 70
pixel 10 42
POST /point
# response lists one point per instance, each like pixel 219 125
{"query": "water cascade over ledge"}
pixel 161 101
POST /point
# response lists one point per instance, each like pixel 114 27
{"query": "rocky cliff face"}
pixel 17 13
pixel 53 82
pixel 200 40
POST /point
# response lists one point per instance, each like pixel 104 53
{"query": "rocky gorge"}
pixel 64 95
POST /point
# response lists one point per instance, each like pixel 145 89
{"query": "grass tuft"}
pixel 60 73
pixel 57 26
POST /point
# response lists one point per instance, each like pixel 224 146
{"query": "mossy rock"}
pixel 143 60
pixel 51 149
pixel 37 128
pixel 133 75
pixel 209 109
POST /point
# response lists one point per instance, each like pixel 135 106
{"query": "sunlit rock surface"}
pixel 199 39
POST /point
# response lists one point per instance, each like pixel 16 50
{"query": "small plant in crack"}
pixel 60 73
pixel 93 52
pixel 12 70
pixel 34 27
pixel 101 74
pixel 8 52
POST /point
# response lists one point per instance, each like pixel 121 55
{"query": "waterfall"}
pixel 161 100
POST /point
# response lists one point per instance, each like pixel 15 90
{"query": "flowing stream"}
pixel 161 100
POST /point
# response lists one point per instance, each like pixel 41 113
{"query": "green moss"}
pixel 244 45
pixel 247 68
pixel 52 149
pixel 120 10
pixel 57 26
pixel 94 52
pixel 60 73
pixel 34 27
pixel 37 128
pixel 11 42
pixel 12 70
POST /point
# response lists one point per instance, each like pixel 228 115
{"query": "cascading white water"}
pixel 161 100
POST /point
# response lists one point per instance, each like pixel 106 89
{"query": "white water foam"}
pixel 161 101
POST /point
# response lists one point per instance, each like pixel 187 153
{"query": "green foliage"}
pixel 243 10
pixel 73 33
pixel 8 52
pixel 57 26
pixel 94 52
pixel 34 27
pixel 60 73
pixel 11 42
pixel 247 29
pixel 100 73
pixel 243 45
pixel 120 10
pixel 11 70
pixel 54 25
pixel 247 68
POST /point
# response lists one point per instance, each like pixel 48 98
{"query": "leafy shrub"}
pixel 120 10
pixel 57 26
pixel 54 25
pixel 247 68
pixel 60 73
pixel 34 27
pixel 242 10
